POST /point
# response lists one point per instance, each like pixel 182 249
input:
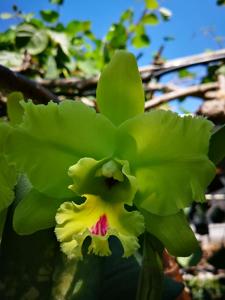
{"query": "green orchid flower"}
pixel 127 170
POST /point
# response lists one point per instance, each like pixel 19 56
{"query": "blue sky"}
pixel 189 20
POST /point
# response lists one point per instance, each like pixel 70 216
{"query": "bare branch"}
pixel 83 85
pixel 183 62
pixel 11 81
pixel 197 91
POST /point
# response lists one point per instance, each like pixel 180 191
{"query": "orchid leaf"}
pixel 8 174
pixel 14 109
pixel 168 154
pixel 53 137
pixel 8 179
pixel 173 231
pixel 35 212
pixel 217 145
pixel 120 94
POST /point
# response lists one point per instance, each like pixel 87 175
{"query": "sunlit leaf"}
pixel 11 59
pixel 33 39
pixel 50 16
pixel 61 39
pixel 151 4
pixel 150 19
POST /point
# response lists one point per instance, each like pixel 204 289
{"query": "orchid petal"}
pixel 120 94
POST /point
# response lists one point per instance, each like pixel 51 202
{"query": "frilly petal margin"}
pixel 99 220
pixel 168 155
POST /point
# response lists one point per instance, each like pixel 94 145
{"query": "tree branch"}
pixel 196 91
pixel 11 81
pixel 85 85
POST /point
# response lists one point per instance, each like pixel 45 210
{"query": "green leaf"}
pixel 151 4
pixel 217 145
pixel 150 19
pixel 61 39
pixel 53 137
pixel 184 73
pixel 173 231
pixel 14 109
pixel 35 212
pixel 168 154
pixel 76 26
pixel 51 68
pixel 151 275
pixel 8 179
pixel 11 59
pixel 127 15
pixel 140 38
pixel 117 36
pixel 58 2
pixel 140 41
pixel 191 260
pixel 50 16
pixel 120 94
pixel 3 215
pixel 220 2
pixel 33 39
pixel 8 175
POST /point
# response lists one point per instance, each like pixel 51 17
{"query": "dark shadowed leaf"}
pixel 217 145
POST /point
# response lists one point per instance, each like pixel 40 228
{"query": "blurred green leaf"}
pixel 151 4
pixel 14 109
pixel 191 260
pixel 217 145
pixel 50 16
pixel 88 66
pixel 61 39
pixel 140 41
pixel 117 36
pixel 11 59
pixel 33 39
pixel 58 2
pixel 184 73
pixel 127 15
pixel 76 26
pixel 220 2
pixel 150 19
pixel 51 68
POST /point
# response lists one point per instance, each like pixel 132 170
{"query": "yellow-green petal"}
pixel 98 219
pixel 120 94
pixel 53 137
pixel 168 156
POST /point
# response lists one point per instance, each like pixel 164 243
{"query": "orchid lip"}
pixel 101 226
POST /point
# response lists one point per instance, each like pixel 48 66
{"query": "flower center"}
pixel 101 226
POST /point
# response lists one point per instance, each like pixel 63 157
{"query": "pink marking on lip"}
pixel 101 227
